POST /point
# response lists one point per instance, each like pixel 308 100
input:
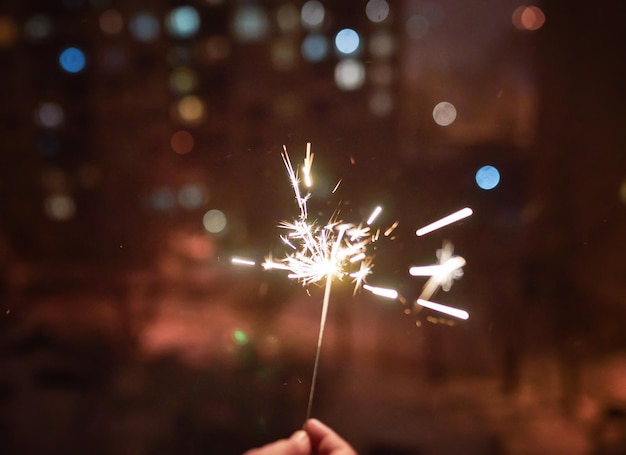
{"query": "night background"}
pixel 140 151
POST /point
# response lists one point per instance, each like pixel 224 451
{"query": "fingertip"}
pixel 302 441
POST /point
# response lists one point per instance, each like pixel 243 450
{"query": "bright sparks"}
pixel 450 311
pixel 446 220
pixel 335 250
pixel 242 261
pixel 382 292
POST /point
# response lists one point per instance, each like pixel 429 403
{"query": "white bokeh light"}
pixel 444 113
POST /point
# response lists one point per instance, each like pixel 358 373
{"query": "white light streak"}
pixel 446 220
pixel 382 292
pixel 242 261
pixel 451 311
pixel 374 215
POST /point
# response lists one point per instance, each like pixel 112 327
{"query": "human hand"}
pixel 316 439
pixel 298 444
pixel 324 441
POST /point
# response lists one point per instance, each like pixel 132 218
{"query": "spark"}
pixel 382 292
pixel 451 311
pixel 446 220
pixel 443 274
pixel 374 215
pixel 242 261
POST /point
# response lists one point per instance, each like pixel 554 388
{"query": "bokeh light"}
pixel 8 31
pixel 283 54
pixel 183 22
pixel 214 221
pixel 529 18
pixel 417 26
pixel 349 74
pixel 381 44
pixel 183 80
pixel 190 110
pixel 288 18
pixel 312 15
pixel 216 48
pixel 622 192
pixel 144 27
pixel 315 48
pixel 182 142
pixel 251 23
pixel 240 337
pixel 163 199
pixel 381 103
pixel 111 22
pixel 347 41
pixel 192 196
pixel 72 60
pixel 59 207
pixel 377 10
pixel 49 115
pixel 487 177
pixel 444 113
pixel 113 59
pixel 38 27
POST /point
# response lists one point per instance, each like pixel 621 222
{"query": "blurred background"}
pixel 140 151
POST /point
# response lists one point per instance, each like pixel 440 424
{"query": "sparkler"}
pixel 321 253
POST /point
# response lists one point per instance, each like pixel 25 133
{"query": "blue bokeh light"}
pixel 347 41
pixel 183 22
pixel 315 48
pixel 487 177
pixel 144 27
pixel 72 60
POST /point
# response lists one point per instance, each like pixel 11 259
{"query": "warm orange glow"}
pixel 529 18
pixel 182 142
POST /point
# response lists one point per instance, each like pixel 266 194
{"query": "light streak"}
pixel 446 220
pixel 441 275
pixel 382 292
pixel 374 215
pixel 242 261
pixel 451 311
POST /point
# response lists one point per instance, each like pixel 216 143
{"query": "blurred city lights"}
pixel 8 31
pixel 417 26
pixel 381 44
pixel 190 110
pixel 347 41
pixel 192 196
pixel 487 177
pixel 38 27
pixel 381 103
pixel 50 115
pixel 288 18
pixel 312 14
pixel 444 113
pixel 144 27
pixel 183 80
pixel 315 48
pixel 240 337
pixel 163 199
pixel 72 60
pixel 182 142
pixel 183 22
pixel 214 221
pixel 216 48
pixel 528 18
pixel 251 23
pixel 59 207
pixel 377 10
pixel 283 54
pixel 349 74
pixel 111 22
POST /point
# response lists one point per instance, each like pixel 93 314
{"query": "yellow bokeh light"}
pixel 190 110
pixel 183 80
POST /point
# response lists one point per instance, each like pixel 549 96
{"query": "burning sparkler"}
pixel 327 252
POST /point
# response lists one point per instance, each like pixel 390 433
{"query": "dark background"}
pixel 124 328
